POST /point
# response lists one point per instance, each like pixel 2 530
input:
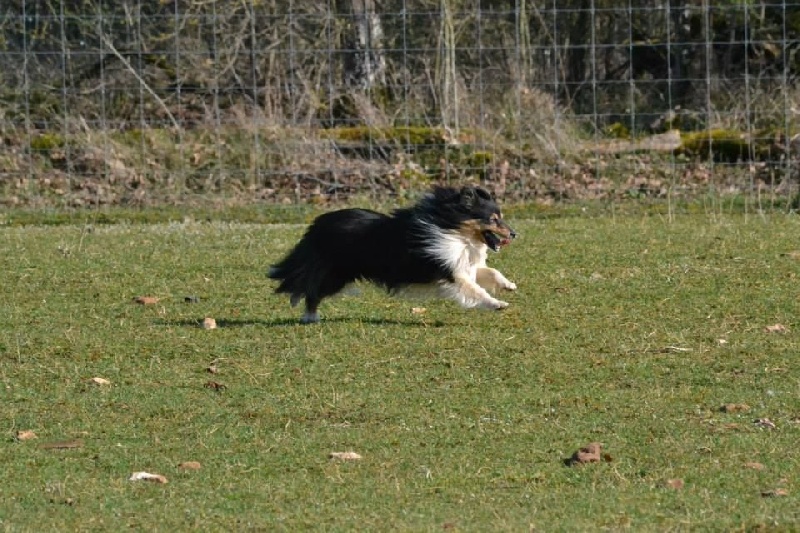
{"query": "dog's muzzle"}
pixel 495 241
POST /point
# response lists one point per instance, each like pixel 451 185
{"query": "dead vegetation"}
pixel 240 163
pixel 230 103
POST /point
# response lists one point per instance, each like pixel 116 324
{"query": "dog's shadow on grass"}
pixel 282 322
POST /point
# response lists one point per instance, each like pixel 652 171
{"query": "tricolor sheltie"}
pixel 440 243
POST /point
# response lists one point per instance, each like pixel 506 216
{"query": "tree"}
pixel 364 62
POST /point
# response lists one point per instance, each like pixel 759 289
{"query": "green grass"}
pixel 463 418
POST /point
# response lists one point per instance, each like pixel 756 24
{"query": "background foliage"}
pixel 251 97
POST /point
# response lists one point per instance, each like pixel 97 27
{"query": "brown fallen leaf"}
pixel 189 465
pixel 100 381
pixel 776 328
pixel 62 444
pixel 209 323
pixel 146 300
pixel 774 493
pixel 146 476
pixel 418 310
pixel 212 369
pixel 765 423
pixel 735 408
pixel 219 387
pixel 755 466
pixel 344 456
pixel 591 453
pixel 675 484
pixel 25 434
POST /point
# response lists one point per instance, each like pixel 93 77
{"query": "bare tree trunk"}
pixel 577 64
pixel 364 62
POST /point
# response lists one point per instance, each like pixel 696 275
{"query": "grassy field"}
pixel 629 331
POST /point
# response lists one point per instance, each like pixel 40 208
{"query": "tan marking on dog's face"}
pixel 471 229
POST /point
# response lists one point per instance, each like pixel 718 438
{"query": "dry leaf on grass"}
pixel 146 300
pixel 776 328
pixel 418 310
pixel 765 423
pixel 591 453
pixel 344 456
pixel 146 476
pixel 675 484
pixel 25 434
pixel 774 493
pixel 212 369
pixel 209 323
pixel 755 466
pixel 735 408
pixel 219 387
pixel 189 465
pixel 62 444
pixel 100 381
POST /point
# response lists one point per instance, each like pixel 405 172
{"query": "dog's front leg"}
pixel 469 294
pixel 492 280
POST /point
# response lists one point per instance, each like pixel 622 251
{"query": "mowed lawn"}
pixel 632 332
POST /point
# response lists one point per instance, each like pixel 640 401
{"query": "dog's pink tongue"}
pixel 505 242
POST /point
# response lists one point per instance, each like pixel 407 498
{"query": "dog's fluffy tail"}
pixel 298 273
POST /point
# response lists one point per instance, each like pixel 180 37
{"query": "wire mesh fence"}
pixel 147 101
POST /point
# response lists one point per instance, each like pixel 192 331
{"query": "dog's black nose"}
pixel 513 234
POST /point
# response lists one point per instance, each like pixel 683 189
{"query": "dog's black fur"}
pixel 440 242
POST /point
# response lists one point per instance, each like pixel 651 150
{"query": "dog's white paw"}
pixel 495 305
pixel 509 286
pixel 309 318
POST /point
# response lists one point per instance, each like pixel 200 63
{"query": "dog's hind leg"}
pixel 311 316
pixel 492 280
pixel 329 287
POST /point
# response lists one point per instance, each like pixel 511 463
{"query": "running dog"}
pixel 440 243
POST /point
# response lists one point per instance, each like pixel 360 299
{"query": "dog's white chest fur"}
pixel 457 253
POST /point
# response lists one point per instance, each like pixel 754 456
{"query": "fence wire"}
pixel 152 101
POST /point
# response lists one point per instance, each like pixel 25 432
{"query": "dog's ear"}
pixel 467 197
pixel 483 193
